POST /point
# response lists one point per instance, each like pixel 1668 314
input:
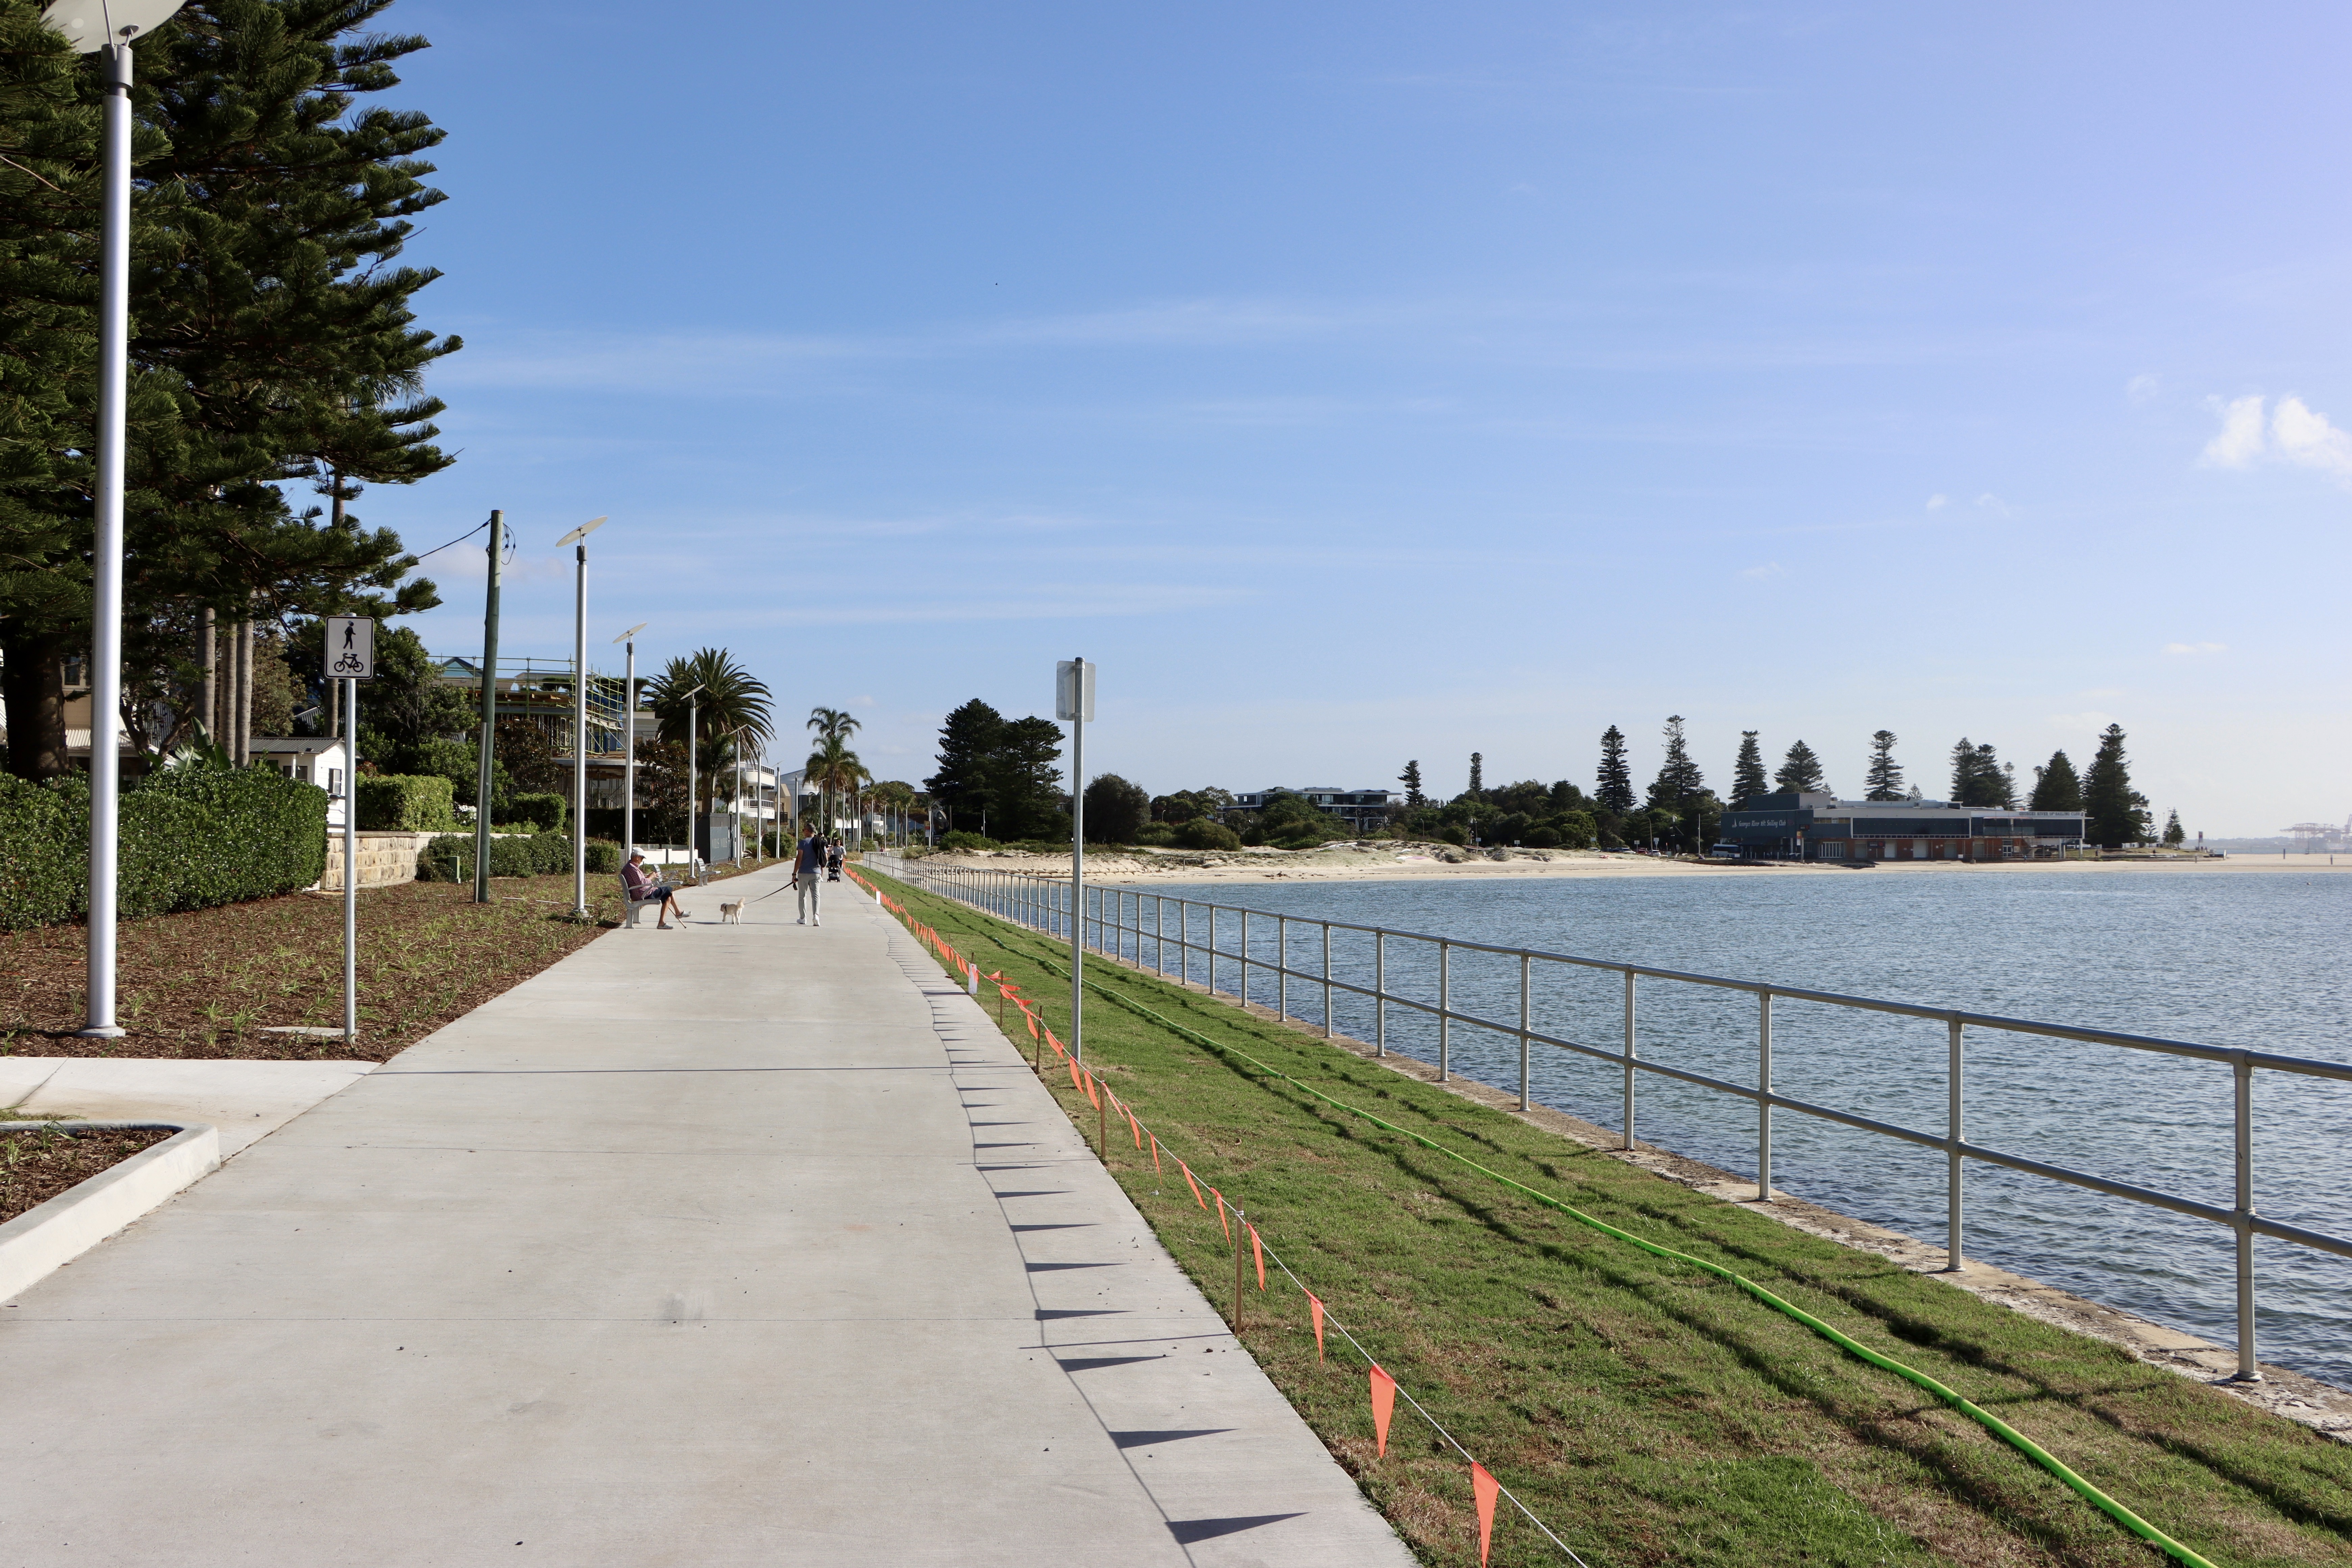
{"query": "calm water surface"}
pixel 2220 957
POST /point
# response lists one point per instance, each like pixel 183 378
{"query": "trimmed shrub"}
pixel 1200 833
pixel 603 858
pixel 542 812
pixel 1158 834
pixel 448 858
pixel 961 840
pixel 1576 829
pixel 191 838
pixel 408 803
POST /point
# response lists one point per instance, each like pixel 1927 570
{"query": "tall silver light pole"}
pixel 93 27
pixel 629 744
pixel 693 784
pixel 1074 700
pixel 580 714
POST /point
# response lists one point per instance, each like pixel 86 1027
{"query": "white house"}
pixel 313 758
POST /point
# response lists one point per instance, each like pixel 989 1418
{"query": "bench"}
pixel 636 908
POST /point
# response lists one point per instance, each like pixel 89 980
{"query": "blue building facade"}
pixel 1822 828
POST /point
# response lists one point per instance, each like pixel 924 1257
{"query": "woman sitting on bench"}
pixel 641 887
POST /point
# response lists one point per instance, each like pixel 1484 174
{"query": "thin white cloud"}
pixel 1939 501
pixel 2239 441
pixel 2296 434
pixel 1045 603
pixel 2193 647
pixel 1769 569
pixel 2141 388
pixel 2306 438
pixel 1993 503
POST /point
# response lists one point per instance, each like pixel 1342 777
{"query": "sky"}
pixel 1362 383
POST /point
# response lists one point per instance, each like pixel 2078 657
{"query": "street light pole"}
pixel 629 745
pixel 490 714
pixel 1074 700
pixel 98 29
pixel 693 786
pixel 577 539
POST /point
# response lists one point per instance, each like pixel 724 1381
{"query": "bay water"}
pixel 2211 955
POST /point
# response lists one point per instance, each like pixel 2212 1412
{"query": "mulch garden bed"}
pixel 207 982
pixel 36 1166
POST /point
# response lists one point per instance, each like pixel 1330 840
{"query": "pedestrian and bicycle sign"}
pixel 351 647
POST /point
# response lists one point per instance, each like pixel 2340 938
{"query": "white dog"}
pixel 731 914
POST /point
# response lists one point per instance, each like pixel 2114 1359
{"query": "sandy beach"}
pixel 1379 862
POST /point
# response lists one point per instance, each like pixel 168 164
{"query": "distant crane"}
pixel 2319 838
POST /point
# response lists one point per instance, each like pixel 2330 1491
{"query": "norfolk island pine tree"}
pixel 1883 779
pixel 1801 770
pixel 1613 782
pixel 1748 780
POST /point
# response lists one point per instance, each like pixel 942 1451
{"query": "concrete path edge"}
pixel 49 1235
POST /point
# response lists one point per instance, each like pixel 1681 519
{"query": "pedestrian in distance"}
pixel 808 875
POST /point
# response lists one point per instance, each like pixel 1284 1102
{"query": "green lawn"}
pixel 1648 1412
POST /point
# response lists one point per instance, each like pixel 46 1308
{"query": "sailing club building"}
pixel 1822 828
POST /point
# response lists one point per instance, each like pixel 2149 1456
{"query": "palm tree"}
pixel 832 767
pixel 832 724
pixel 731 709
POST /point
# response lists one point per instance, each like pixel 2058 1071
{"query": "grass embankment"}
pixel 1649 1412
pixel 206 982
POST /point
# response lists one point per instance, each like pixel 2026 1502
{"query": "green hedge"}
pixel 408 803
pixel 543 812
pixel 191 838
pixel 512 855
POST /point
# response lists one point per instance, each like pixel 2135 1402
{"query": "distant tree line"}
pixel 1006 779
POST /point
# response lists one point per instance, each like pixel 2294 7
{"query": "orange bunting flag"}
pixel 1258 1253
pixel 1155 1153
pixel 1138 1126
pixel 1484 1487
pixel 1314 1306
pixel 1222 1223
pixel 1032 1022
pixel 1074 1072
pixel 1383 1407
pixel 1093 1085
pixel 1193 1185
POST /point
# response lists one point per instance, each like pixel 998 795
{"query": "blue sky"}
pixel 1357 384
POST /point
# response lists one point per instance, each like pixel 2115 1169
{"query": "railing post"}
pixel 1629 1059
pixel 1282 967
pixel 1764 1097
pixel 1159 930
pixel 1445 1022
pixel 1956 1255
pixel 1379 993
pixel 1523 1031
pixel 2250 1370
pixel 1244 993
pixel 1326 979
pixel 1184 938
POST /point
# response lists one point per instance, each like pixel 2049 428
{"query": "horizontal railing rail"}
pixel 1043 903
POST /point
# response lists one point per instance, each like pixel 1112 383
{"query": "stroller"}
pixel 833 861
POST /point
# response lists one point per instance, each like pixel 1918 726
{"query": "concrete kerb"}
pixel 49 1235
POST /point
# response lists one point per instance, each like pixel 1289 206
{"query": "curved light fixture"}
pixel 582 531
pixel 91 25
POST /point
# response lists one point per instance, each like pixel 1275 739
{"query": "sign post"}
pixel 350 656
pixel 1074 700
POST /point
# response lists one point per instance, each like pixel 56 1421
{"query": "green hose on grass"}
pixel 1985 1418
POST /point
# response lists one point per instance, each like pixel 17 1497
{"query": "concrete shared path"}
pixel 733 1245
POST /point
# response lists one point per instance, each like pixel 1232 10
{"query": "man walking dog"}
pixel 808 874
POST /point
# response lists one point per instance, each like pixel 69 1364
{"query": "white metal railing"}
pixel 1114 926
